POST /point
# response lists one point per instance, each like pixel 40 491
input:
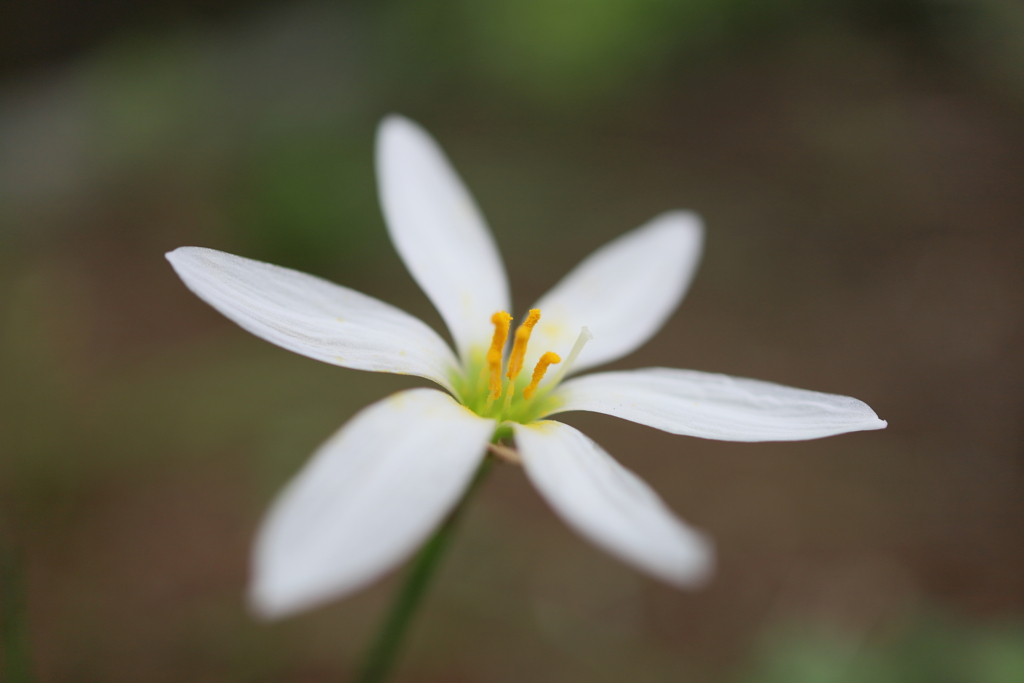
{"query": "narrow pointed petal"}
pixel 366 500
pixel 623 292
pixel 610 505
pixel 314 317
pixel 439 232
pixel 715 406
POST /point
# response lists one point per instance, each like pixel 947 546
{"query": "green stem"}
pixel 15 660
pixel 381 656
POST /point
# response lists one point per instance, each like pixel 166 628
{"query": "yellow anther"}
pixel 523 332
pixel 549 358
pixel 502 321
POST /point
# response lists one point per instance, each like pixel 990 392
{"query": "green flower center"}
pixel 498 390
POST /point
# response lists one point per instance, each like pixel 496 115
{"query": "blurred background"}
pixel 860 167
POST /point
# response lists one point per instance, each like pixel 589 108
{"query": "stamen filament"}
pixel 508 396
pixel 502 321
pixel 523 332
pixel 581 341
pixel 549 358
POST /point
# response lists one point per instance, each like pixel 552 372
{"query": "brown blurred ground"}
pixel 860 177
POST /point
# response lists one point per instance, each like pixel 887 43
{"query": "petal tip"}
pixel 393 119
pixel 263 607
pixel 179 255
pixel 684 218
pixel 689 227
pixel 870 420
pixel 695 569
pixel 269 599
pixel 395 126
pixel 175 254
pixel 687 224
pixel 279 593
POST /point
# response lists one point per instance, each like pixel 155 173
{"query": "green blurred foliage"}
pixel 936 650
pixel 565 50
pixel 309 201
pixel 577 56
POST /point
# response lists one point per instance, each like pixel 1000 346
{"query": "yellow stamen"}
pixel 549 358
pixel 523 332
pixel 502 322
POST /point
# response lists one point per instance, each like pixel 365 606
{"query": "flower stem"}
pixel 381 656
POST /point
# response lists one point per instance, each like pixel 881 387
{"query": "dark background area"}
pixel 860 169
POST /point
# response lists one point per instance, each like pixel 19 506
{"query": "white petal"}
pixel 439 232
pixel 610 505
pixel 623 292
pixel 716 406
pixel 366 500
pixel 314 317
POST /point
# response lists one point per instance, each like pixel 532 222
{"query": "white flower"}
pixel 375 491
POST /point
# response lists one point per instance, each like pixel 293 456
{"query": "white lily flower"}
pixel 377 488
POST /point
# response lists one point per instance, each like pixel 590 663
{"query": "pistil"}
pixel 581 341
